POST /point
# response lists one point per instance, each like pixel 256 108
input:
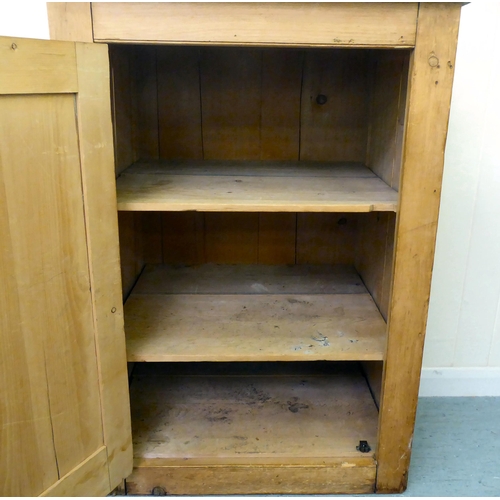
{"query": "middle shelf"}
pixel 253 186
pixel 217 312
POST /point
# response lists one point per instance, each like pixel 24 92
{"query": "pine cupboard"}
pixel 240 200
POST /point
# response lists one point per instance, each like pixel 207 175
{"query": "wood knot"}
pixel 433 61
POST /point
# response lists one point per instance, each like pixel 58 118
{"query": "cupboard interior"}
pixel 234 104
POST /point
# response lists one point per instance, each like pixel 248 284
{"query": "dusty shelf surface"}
pixel 252 313
pixel 251 412
pixel 252 186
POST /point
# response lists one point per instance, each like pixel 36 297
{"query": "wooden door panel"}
pixel 54 433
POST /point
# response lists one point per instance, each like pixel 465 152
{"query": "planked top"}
pixel 296 24
pixel 230 313
pixel 252 186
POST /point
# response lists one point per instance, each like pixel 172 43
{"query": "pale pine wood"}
pixel 387 109
pixel 323 478
pixel 96 159
pixel 336 130
pixel 26 68
pixel 305 413
pixel 431 78
pixel 52 412
pixel 70 21
pixel 274 187
pixel 352 25
pixel 256 313
pixel 179 103
pixel 89 478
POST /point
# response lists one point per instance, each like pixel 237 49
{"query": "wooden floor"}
pixel 306 410
pixel 252 313
pixel 236 428
pixel 238 186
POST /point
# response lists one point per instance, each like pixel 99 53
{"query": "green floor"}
pixel 456 448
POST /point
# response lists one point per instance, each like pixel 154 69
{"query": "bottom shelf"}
pixel 252 428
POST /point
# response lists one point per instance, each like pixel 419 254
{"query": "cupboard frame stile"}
pixel 427 33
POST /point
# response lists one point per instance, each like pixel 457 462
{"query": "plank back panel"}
pixel 326 238
pixel 280 114
pixel 231 102
pixel 179 106
pixel 336 129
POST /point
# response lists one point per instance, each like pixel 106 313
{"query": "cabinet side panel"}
pixel 430 83
pixel 99 189
pixel 374 255
pixel 387 110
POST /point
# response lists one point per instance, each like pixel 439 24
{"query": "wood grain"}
pixel 281 83
pixel 232 238
pixel 326 238
pixel 146 86
pixel 99 192
pixel 252 417
pixel 52 415
pixel 352 25
pixel 431 78
pixel 335 130
pixel 374 255
pixel 179 105
pixel 233 188
pixel 27 68
pixel 89 478
pixel 70 21
pixel 252 313
pixel 124 106
pixel 277 238
pixel 183 238
pixel 387 113
pixel 231 103
pixel 325 478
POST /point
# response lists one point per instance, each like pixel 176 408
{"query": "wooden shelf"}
pixel 252 313
pixel 251 412
pixel 241 186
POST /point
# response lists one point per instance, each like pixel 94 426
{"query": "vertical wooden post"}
pixel 70 21
pixel 431 76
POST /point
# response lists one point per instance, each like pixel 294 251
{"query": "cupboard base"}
pixel 336 477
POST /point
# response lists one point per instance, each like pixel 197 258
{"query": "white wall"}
pixel 462 353
pixel 463 330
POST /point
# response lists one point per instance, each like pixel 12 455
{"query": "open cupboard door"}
pixel 64 407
